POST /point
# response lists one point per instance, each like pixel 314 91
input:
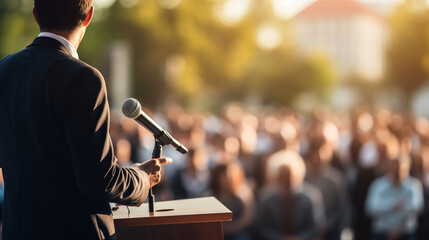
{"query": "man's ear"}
pixel 35 16
pixel 88 17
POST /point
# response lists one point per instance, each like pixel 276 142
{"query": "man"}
pixel 285 212
pixel 55 149
pixel 394 202
pixel 330 182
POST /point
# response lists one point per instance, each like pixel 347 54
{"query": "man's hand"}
pixel 399 206
pixel 290 237
pixel 394 235
pixel 153 168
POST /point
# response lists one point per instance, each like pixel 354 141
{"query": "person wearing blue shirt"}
pixel 394 202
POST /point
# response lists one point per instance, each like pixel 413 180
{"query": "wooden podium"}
pixel 198 218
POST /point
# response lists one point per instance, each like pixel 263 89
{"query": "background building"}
pixel 350 32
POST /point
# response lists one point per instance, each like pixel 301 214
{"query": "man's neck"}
pixel 74 37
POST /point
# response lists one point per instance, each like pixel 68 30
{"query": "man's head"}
pixel 197 160
pixel 64 15
pixel 319 154
pixel 399 168
pixel 287 168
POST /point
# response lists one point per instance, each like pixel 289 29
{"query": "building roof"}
pixel 337 8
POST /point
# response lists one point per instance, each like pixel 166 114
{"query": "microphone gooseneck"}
pixel 132 109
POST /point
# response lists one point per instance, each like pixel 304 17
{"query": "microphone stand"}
pixel 157 152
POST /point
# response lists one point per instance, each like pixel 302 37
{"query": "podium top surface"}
pixel 196 210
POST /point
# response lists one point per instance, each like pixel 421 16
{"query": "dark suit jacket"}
pixel 55 149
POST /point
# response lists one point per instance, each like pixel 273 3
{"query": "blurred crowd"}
pixel 287 175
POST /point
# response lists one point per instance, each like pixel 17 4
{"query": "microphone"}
pixel 132 109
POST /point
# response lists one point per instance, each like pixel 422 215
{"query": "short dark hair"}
pixel 64 15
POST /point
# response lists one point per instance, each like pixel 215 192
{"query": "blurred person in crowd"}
pixel 389 148
pixel 192 180
pixel 284 212
pixel 420 170
pixel 378 149
pixel 178 122
pixel 228 184
pixel 216 148
pixel 362 125
pixel 288 157
pixel 394 202
pixel 123 152
pixel 396 125
pixel 147 143
pixel 289 136
pixel 331 183
pixel 264 148
pixel 367 172
pixel 232 149
pixel 60 152
pixel 115 131
pixel 197 137
pixel 246 155
pixel 129 131
pixel 233 113
pixel 273 127
pixel 421 133
pixel 265 142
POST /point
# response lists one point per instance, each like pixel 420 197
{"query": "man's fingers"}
pixel 157 168
pixel 156 177
pixel 164 160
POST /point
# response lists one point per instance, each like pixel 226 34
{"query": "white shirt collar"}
pixel 62 40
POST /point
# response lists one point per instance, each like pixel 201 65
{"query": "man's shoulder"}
pixel 412 182
pixel 72 70
pixel 310 190
pixel 7 58
pixel 56 59
pixel 80 67
pixel 302 199
pixel 381 182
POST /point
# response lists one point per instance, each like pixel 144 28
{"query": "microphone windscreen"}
pixel 131 108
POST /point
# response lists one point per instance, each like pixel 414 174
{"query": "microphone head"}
pixel 131 108
pixel 182 149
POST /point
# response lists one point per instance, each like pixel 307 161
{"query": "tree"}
pixel 281 75
pixel 213 55
pixel 185 52
pixel 17 26
pixel 408 51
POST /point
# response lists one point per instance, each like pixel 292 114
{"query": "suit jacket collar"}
pixel 50 42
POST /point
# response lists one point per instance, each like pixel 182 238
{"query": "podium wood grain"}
pixel 199 218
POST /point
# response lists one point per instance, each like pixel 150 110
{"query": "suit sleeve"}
pixel 86 124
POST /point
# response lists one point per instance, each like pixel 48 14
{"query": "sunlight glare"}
pixel 268 37
pixel 169 4
pixel 284 9
pixel 129 3
pixel 104 3
pixel 232 11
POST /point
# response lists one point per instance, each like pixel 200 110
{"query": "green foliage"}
pixel 214 54
pixel 280 76
pixel 408 52
pixel 210 62
pixel 17 29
